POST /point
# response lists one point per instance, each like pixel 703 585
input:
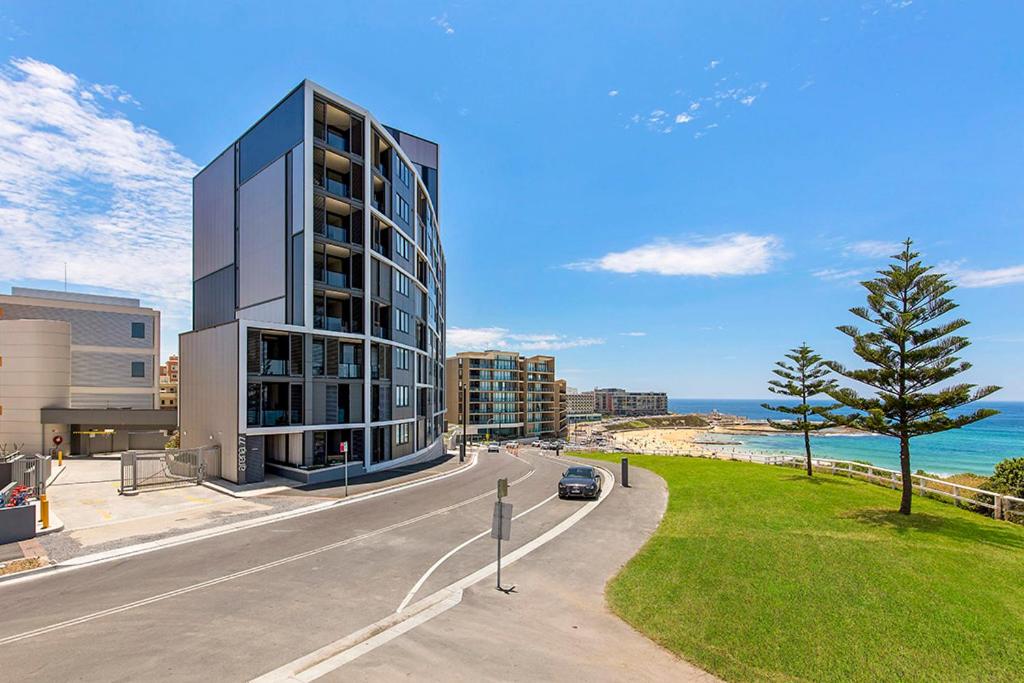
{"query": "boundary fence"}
pixel 995 505
pixel 31 471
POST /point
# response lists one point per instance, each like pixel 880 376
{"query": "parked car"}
pixel 536 444
pixel 493 448
pixel 580 481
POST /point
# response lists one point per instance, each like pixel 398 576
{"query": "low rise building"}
pixel 77 371
pixel 579 407
pixel 614 401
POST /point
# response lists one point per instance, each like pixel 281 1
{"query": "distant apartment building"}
pixel 579 407
pixel 621 402
pixel 319 296
pixel 169 383
pixel 508 396
pixel 563 407
pixel 80 369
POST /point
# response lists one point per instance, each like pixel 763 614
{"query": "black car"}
pixel 580 481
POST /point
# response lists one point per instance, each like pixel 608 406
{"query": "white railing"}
pixel 1000 506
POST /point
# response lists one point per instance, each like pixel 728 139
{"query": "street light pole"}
pixel 465 412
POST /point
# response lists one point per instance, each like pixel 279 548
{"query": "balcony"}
pixel 330 278
pixel 336 127
pixel 274 367
pixel 274 418
pixel 331 323
pixel 336 174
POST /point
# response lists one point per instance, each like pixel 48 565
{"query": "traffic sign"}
pixel 501 523
pixel 502 488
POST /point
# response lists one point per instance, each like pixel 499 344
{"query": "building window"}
pixel 403 247
pixel 402 396
pixel 402 283
pixel 138 330
pixel 402 359
pixel 402 433
pixel 138 368
pixel 401 321
pixel 402 208
pixel 404 174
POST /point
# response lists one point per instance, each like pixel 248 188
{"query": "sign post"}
pixel 501 526
pixel 343 450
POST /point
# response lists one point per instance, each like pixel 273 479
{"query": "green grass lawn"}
pixel 759 573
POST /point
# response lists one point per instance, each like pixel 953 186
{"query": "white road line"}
pixel 203 534
pixel 342 651
pixel 245 572
pixel 433 567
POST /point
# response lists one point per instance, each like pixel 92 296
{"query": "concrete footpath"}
pixel 556 623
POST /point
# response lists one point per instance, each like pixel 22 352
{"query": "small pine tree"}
pixel 806 378
pixel 907 355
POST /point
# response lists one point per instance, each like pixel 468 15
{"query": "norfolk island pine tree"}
pixel 806 378
pixel 906 356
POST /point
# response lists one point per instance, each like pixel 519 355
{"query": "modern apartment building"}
pixel 78 372
pixel 509 396
pixel 169 383
pixel 319 296
pixel 622 402
pixel 579 407
pixel 115 344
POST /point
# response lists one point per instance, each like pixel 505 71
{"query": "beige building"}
pixel 509 396
pixel 622 402
pixel 169 384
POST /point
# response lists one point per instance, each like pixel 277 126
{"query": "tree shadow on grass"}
pixel 954 527
pixel 818 481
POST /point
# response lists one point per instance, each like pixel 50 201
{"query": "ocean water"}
pixel 975 448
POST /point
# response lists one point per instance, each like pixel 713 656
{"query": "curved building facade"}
pixel 35 373
pixel 318 296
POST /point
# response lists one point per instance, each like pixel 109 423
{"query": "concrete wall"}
pixel 208 393
pixel 35 373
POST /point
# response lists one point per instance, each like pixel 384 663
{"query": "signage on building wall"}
pixel 241 454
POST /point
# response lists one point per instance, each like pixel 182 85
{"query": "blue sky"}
pixel 664 197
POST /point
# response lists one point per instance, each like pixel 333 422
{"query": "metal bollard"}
pixel 625 472
pixel 44 511
pixel 60 457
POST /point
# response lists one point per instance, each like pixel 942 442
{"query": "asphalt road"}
pixel 242 604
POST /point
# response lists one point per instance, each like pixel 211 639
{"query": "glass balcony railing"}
pixel 337 187
pixel 331 278
pixel 274 367
pixel 350 370
pixel 327 322
pixel 341 416
pixel 338 233
pixel 337 139
pixel 274 418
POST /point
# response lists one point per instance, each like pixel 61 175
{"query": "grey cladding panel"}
pixel 261 236
pixel 213 216
pixel 279 131
pixel 90 369
pixel 91 328
pixel 213 299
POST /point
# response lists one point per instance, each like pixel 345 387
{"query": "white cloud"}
pixel 833 274
pixel 996 277
pixel 694 106
pixel 633 334
pixel 683 118
pixel 80 183
pixel 712 64
pixel 748 100
pixel 613 93
pixel 739 254
pixel 874 248
pixel 484 338
pixel 442 23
